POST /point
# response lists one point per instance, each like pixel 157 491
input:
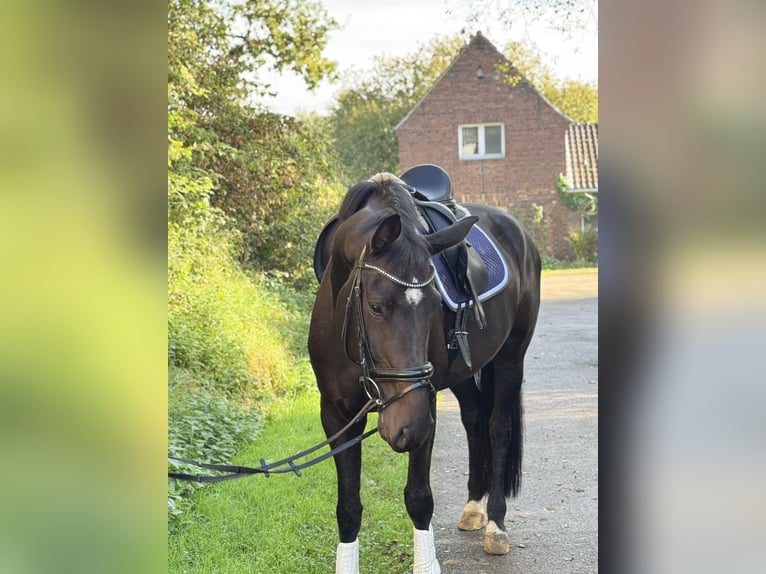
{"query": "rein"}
pixel 281 466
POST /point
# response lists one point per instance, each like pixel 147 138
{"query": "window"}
pixel 482 141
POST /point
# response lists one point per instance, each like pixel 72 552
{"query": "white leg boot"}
pixel 425 552
pixel 347 558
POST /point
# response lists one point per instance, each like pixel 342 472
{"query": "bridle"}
pixel 372 375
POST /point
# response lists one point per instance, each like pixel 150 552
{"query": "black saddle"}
pixel 431 182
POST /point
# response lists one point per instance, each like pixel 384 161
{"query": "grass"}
pixel 550 263
pixel 571 271
pixel 286 523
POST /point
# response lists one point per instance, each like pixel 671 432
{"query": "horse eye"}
pixel 376 309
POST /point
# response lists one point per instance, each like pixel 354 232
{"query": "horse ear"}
pixel 451 235
pixel 386 233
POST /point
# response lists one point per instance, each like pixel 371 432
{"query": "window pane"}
pixel 492 135
pixel 470 141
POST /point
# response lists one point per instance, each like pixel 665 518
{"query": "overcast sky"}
pixel 398 27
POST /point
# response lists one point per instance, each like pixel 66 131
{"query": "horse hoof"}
pixel 474 517
pixel 495 540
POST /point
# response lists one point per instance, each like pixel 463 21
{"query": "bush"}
pixel 223 324
pixel 202 426
pixel 584 243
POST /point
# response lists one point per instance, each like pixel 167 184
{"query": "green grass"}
pixel 550 263
pixel 571 271
pixel 286 523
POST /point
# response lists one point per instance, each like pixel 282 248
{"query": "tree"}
pixel 265 172
pixel 565 16
pixel 278 181
pixel 578 100
pixel 373 103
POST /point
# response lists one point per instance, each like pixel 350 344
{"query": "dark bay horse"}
pixel 379 329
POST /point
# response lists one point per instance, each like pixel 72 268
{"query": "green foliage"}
pixel 244 187
pixel 272 177
pixel 204 426
pixel 578 100
pixel 278 186
pixel 215 49
pixel 551 263
pixel 374 102
pixel 584 243
pixel 584 203
pixel 364 135
pixel 222 323
pixel 532 216
pixel 232 339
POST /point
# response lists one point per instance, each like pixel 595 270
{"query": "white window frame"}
pixel 482 142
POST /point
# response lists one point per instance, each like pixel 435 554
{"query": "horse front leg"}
pixel 420 506
pixel 348 510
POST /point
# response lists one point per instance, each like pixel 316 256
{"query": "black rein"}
pixel 281 466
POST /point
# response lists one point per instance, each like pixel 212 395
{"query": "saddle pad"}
pixel 497 271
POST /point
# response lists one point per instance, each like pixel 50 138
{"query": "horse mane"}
pixel 393 196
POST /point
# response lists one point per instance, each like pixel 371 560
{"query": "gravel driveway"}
pixel 553 524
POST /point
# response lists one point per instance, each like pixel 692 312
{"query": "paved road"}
pixel 553 524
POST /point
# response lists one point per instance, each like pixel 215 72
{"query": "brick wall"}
pixel 522 181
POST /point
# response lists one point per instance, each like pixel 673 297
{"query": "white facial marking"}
pixel 413 296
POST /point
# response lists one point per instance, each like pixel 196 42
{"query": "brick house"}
pixel 502 144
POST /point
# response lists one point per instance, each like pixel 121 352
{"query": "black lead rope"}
pixel 281 466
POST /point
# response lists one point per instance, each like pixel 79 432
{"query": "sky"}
pixel 399 27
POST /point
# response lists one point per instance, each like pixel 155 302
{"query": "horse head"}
pixel 386 306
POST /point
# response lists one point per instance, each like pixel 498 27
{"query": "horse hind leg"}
pixel 505 437
pixel 474 516
pixel 475 407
